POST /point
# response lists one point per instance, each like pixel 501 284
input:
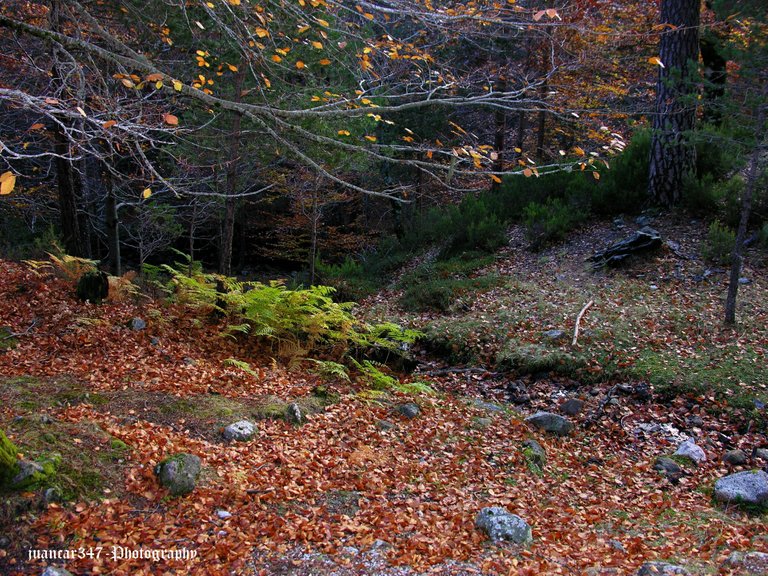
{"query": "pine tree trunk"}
pixel 113 227
pixel 672 156
pixel 746 207
pixel 228 234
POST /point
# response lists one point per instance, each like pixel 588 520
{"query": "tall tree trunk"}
pixel 228 232
pixel 672 156
pixel 500 133
pixel 68 179
pixel 746 206
pixel 113 227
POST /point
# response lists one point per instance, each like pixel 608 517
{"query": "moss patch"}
pixel 9 465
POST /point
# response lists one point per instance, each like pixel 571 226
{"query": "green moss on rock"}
pixel 9 463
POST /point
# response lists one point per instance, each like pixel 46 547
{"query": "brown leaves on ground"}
pixel 417 486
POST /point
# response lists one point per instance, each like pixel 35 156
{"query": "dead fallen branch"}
pixel 578 321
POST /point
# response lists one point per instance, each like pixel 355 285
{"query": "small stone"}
pixel 5 541
pixel 695 421
pixel 662 569
pixel 29 473
pixel 223 514
pixel 668 466
pixel 155 341
pixel 744 281
pixel 137 324
pixel 384 425
pixel 189 361
pixel 487 406
pixel 56 571
pixel 518 393
pixel 617 545
pixel 554 334
pixel 735 457
pixel 499 524
pixel 481 423
pixel 293 413
pixel 241 431
pixel 762 453
pixel 549 422
pixel 750 562
pixel 409 410
pixel 534 453
pixel 51 495
pixel 572 407
pixel 179 473
pixel 691 450
pixel 749 488
pixel 643 221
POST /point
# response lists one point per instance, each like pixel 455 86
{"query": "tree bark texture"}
pixel 672 156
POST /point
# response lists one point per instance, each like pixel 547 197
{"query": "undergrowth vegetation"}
pixel 294 323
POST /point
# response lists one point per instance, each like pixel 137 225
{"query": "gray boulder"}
pixel 735 457
pixel 662 569
pixel 762 453
pixel 550 422
pixel 241 431
pixel 749 487
pixel 409 410
pixel 178 473
pixel 500 524
pixel 137 324
pixel 689 449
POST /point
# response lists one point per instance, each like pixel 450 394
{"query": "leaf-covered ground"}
pixel 339 483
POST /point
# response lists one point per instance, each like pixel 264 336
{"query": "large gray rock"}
pixel 749 487
pixel 550 422
pixel 662 569
pixel 689 449
pixel 178 473
pixel 500 524
pixel 241 431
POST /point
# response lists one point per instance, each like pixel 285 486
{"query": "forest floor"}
pixel 325 497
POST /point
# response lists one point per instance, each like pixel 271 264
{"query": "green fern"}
pixel 240 365
pixel 416 388
pixel 329 370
